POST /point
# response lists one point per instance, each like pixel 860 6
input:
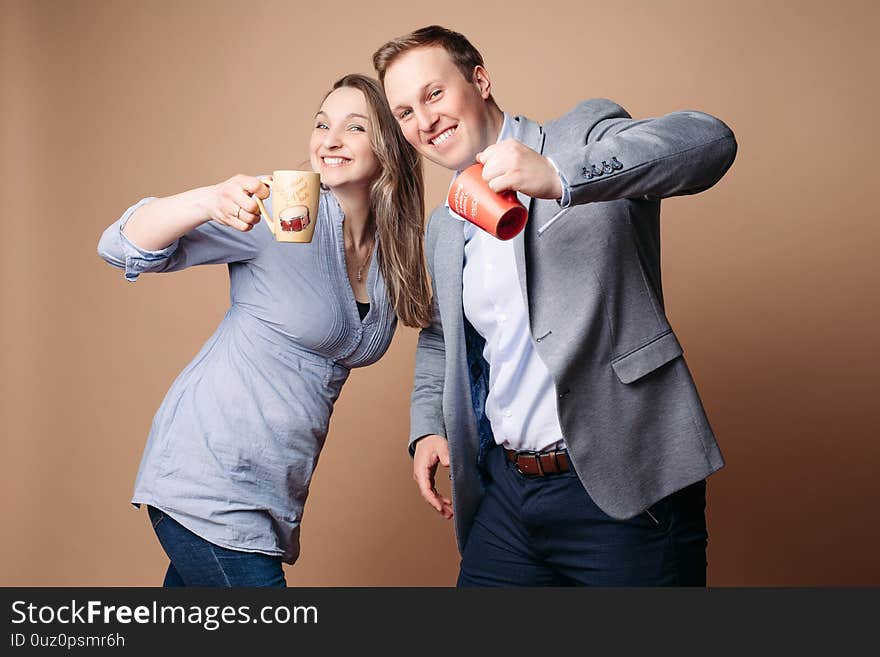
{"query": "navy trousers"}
pixel 197 562
pixel 547 531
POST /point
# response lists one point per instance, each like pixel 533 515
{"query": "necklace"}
pixel 360 270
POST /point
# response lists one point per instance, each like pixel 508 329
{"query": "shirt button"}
pixel 502 318
pixel 508 414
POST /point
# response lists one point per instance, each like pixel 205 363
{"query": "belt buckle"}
pixel 533 454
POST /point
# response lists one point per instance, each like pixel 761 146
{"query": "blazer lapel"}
pixel 448 265
pixel 530 134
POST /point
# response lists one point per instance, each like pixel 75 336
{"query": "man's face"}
pixel 443 115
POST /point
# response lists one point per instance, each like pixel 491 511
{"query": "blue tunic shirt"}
pixel 232 448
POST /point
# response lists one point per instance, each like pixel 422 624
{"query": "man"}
pixel 550 381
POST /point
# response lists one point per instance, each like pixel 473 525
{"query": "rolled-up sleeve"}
pixel 209 244
pixel 119 251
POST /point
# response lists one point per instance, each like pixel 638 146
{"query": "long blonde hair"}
pixel 398 207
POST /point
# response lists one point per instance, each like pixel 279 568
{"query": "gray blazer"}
pixel 590 277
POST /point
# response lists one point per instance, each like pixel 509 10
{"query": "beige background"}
pixel 771 277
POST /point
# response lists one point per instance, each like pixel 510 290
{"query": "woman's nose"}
pixel 332 140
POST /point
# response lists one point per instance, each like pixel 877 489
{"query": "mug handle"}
pixel 268 182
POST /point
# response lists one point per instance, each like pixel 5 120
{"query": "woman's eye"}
pixel 356 128
pixel 404 114
pixel 320 126
pixel 434 93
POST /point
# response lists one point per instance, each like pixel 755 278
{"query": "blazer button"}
pixel 596 171
pixel 606 168
pixel 615 164
pixel 564 393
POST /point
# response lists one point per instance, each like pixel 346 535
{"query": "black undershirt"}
pixel 363 308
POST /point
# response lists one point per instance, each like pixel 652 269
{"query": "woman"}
pixel 227 466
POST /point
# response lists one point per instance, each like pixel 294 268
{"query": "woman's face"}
pixel 340 145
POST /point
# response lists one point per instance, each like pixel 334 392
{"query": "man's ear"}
pixel 481 79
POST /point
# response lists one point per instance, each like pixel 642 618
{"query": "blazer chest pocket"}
pixel 643 360
pixel 553 220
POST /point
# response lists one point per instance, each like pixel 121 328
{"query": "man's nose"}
pixel 425 118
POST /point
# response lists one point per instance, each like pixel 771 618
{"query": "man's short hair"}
pixel 462 52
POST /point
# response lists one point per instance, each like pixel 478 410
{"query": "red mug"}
pixel 499 214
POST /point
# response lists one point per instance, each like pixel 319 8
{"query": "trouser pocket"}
pixel 156 516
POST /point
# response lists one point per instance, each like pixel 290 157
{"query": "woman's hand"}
pixel 232 203
pixel 157 224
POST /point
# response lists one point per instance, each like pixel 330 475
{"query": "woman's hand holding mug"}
pixel 231 202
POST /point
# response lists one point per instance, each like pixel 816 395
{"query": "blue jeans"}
pixel 547 531
pixel 196 562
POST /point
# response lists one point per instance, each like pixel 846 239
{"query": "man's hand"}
pixel 512 165
pixel 430 451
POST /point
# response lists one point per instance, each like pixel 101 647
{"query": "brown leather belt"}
pixel 539 464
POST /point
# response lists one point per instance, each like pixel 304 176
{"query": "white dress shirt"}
pixel 521 405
